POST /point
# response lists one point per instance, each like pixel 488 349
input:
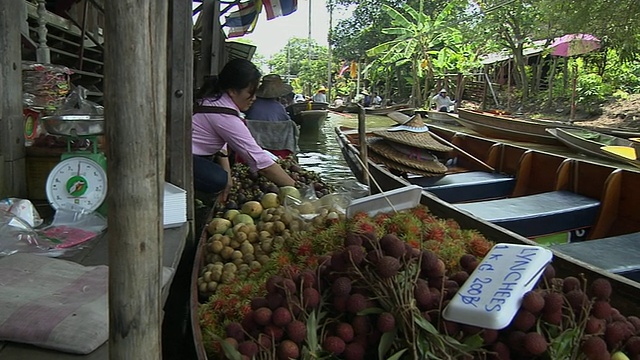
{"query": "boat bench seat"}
pixel 617 254
pixel 539 214
pixel 468 186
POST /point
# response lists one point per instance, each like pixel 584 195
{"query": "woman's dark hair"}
pixel 237 74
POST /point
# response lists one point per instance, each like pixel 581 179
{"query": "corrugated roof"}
pixel 535 48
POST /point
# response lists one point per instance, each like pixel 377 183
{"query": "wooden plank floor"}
pixel 173 246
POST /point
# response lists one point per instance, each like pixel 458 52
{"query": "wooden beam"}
pixel 135 116
pixel 12 149
pixel 180 60
pixel 206 19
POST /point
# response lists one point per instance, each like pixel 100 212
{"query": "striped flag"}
pixel 344 68
pixel 243 20
pixel 276 8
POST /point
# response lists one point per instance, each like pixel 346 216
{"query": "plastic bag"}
pixel 311 208
pixel 77 104
pixel 16 235
pixel 71 230
pixel 23 209
pixel 354 189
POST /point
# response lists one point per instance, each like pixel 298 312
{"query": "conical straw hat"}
pixel 399 167
pixel 414 158
pixel 414 133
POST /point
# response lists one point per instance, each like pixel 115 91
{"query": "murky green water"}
pixel 320 152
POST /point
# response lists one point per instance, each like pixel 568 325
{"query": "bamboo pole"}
pixel 135 114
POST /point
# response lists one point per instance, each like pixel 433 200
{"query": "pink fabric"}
pixel 212 132
pixel 35 321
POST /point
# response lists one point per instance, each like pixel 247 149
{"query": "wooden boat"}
pixel 309 115
pixel 296 108
pixel 339 108
pixel 384 110
pixel 311 120
pixel 504 126
pixel 592 143
pixel 519 194
pixel 625 291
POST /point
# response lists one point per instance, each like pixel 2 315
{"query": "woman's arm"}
pixel 224 162
pixel 276 174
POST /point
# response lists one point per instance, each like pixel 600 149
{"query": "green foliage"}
pixel 305 60
pixel 590 90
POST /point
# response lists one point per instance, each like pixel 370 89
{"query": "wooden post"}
pixel 552 75
pixel 204 63
pixel 572 114
pixel 11 121
pixel 180 60
pixel 362 139
pixel 135 60
pixel 509 84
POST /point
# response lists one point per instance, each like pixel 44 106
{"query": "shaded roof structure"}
pixel 535 48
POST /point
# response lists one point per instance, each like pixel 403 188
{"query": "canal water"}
pixel 320 152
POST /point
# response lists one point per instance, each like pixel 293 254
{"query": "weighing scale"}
pixel 79 181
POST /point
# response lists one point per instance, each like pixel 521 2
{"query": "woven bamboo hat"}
pixel 414 133
pixel 399 167
pixel 272 87
pixel 411 158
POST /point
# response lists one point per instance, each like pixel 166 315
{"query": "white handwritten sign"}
pixel 492 295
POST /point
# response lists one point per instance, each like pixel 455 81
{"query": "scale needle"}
pixel 78 168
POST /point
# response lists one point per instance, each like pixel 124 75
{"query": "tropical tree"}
pixel 418 38
pixel 303 60
pixel 514 25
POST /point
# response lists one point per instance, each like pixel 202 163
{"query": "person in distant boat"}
pixel 267 107
pixel 298 98
pixel 217 127
pixel 377 100
pixel 366 102
pixel 287 99
pixel 442 101
pixel 338 101
pixel 321 95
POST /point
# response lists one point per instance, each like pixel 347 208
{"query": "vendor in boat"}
pixel 442 101
pixel 217 127
pixel 267 106
pixel 321 95
pixel 377 100
pixel 363 98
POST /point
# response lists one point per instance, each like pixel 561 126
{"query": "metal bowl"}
pixel 74 125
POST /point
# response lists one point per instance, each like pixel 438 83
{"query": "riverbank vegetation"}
pixel 403 49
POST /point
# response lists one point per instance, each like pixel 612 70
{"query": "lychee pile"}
pixel 566 318
pixel 376 288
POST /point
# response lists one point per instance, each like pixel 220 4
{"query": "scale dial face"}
pixel 77 183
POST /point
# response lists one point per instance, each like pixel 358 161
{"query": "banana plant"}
pixel 419 38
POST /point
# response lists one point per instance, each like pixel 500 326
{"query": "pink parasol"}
pixel 572 45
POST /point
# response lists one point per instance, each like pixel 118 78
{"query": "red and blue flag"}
pixel 276 8
pixel 243 20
